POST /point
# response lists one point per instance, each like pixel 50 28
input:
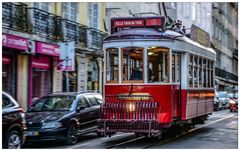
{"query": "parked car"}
pixel 222 97
pixel 63 116
pixel 13 123
pixel 217 103
pixel 233 103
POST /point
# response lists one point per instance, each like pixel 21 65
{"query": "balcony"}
pixel 95 38
pixel 235 53
pixel 17 16
pixel 73 31
pixel 45 24
pixel 226 75
pixel 14 16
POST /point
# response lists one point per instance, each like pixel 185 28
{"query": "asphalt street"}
pixel 219 132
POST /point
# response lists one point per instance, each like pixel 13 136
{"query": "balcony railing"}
pixel 17 16
pixel 95 38
pixel 45 24
pixel 73 31
pixel 14 16
pixel 226 75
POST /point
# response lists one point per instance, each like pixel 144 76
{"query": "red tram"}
pixel 154 78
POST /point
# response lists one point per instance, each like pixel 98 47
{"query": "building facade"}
pixel 219 20
pixel 225 43
pixel 32 37
pixel 129 10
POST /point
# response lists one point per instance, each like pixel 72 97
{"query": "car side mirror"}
pixel 29 109
pixel 80 108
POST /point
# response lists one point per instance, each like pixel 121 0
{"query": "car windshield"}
pixel 230 96
pixel 222 94
pixel 53 103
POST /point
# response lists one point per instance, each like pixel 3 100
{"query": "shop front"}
pixel 12 46
pixel 9 74
pixel 93 75
pixel 41 70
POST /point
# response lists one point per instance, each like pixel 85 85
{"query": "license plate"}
pixel 32 133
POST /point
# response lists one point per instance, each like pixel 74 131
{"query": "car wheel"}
pixel 72 135
pixel 14 140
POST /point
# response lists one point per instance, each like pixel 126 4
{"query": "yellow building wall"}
pixel 56 8
pixel 102 16
pixel 83 13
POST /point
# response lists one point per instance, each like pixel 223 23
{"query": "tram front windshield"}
pixel 132 65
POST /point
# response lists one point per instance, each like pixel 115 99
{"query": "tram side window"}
pixel 158 64
pixel 209 73
pixel 200 72
pixel 212 68
pixel 204 73
pixel 190 71
pixel 132 63
pixel 175 67
pixel 195 71
pixel 112 65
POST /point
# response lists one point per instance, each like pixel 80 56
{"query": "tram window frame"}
pixel 200 72
pixel 190 71
pixel 209 73
pixel 175 67
pixel 115 66
pixel 131 67
pixel 204 74
pixel 164 67
pixel 195 71
pixel 204 65
pixel 212 74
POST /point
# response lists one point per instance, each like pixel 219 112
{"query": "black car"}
pixel 13 123
pixel 63 116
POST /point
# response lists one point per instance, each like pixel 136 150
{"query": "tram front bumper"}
pixel 128 126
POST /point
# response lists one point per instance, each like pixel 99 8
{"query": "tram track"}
pixel 190 132
pixel 120 140
pixel 126 142
pixel 220 114
pixel 166 140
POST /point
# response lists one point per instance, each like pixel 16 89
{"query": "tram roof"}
pixel 152 33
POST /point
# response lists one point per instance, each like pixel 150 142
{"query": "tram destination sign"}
pixel 119 23
pixel 129 23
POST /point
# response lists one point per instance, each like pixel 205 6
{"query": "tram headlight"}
pixel 131 107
